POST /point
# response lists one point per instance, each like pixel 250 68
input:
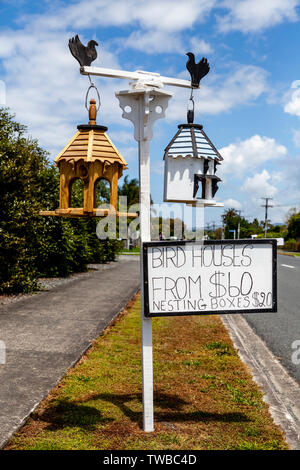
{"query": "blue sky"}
pixel 249 103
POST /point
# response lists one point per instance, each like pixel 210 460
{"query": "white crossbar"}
pixel 148 78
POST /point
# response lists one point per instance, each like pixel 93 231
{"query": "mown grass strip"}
pixel 204 395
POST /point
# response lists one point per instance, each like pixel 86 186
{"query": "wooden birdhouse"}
pixel 90 156
pixel 190 162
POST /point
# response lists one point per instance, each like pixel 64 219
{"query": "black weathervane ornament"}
pixel 84 54
pixel 197 71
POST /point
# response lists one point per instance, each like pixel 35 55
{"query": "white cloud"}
pixel 232 203
pixel 277 176
pixel 293 105
pixel 129 153
pixel 160 41
pixel 281 184
pixel 122 137
pixel 43 85
pixel 259 186
pixel 249 154
pixel 157 23
pixel 47 93
pixel 153 42
pixel 243 84
pixel 2 93
pixel 199 46
pixel 249 16
pixel 170 15
pixel 45 89
pixel 296 138
pixel 165 15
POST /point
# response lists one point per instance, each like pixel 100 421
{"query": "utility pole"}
pixel 266 206
pixel 223 225
pixel 239 223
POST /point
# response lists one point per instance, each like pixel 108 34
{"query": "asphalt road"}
pixel 280 330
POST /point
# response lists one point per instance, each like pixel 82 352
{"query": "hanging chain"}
pixel 92 85
pixel 190 112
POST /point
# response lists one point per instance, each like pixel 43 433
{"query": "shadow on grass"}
pixel 169 408
pixel 68 414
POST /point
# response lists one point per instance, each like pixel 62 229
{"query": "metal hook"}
pixel 191 112
pixel 87 94
pixel 192 94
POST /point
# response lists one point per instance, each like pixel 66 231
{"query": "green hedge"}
pixel 32 246
pixel 291 245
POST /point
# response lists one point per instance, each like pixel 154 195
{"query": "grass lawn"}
pixel 136 251
pixel 289 253
pixel 204 395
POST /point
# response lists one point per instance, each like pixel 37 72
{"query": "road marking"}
pixel 288 266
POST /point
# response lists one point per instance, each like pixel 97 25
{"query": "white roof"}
pixel 191 141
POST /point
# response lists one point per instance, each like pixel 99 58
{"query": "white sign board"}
pixel 212 276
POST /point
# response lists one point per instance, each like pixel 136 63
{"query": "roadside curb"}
pixel 281 392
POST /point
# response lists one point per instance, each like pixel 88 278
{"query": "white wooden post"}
pixel 143 107
pixel 146 102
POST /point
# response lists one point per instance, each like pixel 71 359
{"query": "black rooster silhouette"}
pixel 84 54
pixel 197 71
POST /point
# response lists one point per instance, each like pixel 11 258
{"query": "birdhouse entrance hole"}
pixel 76 193
pixel 101 192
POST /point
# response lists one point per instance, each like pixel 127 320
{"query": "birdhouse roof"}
pixel 91 144
pixel 191 141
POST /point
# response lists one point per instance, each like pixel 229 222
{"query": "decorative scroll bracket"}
pixel 143 107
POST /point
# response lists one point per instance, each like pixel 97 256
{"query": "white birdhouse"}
pixel 191 162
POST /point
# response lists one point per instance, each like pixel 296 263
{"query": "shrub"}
pixel 292 245
pixel 31 245
pixel 294 226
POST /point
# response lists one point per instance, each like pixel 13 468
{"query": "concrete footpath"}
pixel 47 333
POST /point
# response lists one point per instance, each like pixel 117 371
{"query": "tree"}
pixel 231 220
pixel 294 227
pixel 31 245
pixel 130 189
pixel 218 233
pixel 288 215
pixel 23 167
